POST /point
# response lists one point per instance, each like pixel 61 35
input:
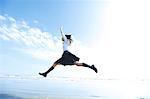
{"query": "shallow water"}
pixel 72 88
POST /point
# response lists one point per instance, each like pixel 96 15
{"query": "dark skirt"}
pixel 67 59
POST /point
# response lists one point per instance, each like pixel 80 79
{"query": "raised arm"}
pixel 62 34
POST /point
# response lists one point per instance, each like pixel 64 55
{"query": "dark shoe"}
pixel 43 74
pixel 94 68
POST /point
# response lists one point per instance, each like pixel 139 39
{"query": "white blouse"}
pixel 66 43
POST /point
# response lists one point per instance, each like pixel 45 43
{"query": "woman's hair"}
pixel 68 37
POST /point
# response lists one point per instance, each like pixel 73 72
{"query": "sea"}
pixel 35 87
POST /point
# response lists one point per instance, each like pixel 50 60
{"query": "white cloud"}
pixel 2 18
pixel 123 51
pixel 40 44
pixel 34 41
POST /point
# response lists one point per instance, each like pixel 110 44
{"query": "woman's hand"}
pixel 61 29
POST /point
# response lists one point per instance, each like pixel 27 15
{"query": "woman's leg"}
pixel 50 69
pixel 86 65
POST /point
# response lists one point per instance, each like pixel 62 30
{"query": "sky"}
pixel 113 35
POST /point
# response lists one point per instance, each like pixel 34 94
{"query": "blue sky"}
pixel 50 14
pixel 21 50
pixel 106 33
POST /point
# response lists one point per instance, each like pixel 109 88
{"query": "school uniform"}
pixel 67 57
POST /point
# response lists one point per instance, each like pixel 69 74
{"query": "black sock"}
pixel 86 65
pixel 50 69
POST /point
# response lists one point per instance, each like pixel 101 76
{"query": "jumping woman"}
pixel 67 57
